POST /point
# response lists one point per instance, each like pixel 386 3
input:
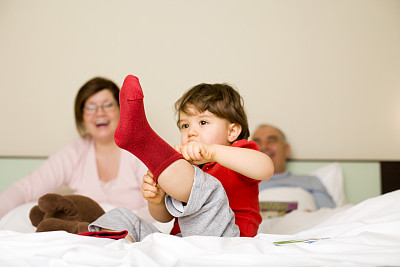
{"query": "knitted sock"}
pixel 106 234
pixel 134 133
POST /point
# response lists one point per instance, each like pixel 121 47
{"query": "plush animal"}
pixel 71 213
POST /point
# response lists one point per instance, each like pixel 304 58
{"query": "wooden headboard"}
pixel 390 176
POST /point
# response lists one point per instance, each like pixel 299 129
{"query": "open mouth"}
pixel 102 123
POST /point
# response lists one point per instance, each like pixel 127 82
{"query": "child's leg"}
pixel 207 212
pixel 134 134
pixel 120 219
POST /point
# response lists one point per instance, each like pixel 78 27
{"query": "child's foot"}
pixel 132 114
pixel 134 133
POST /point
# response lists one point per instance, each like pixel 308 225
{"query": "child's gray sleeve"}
pixel 207 212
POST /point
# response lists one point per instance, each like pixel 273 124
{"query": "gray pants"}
pixel 207 213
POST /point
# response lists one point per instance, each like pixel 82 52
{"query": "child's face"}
pixel 203 127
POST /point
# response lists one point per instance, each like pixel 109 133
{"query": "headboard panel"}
pixel 362 179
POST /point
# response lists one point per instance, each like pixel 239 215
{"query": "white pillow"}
pixel 18 220
pixel 331 177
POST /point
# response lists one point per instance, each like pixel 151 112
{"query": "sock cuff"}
pixel 156 172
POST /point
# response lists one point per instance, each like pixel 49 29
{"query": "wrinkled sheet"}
pixel 366 234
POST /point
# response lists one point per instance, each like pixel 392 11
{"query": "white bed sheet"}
pixel 366 234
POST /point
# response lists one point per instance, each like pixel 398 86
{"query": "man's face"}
pixel 271 142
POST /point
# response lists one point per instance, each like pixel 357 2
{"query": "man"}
pixel 272 141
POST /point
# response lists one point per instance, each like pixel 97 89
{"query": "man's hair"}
pixel 276 128
pixel 222 100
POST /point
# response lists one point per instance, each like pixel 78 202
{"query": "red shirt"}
pixel 242 194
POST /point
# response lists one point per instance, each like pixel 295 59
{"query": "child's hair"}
pixel 220 99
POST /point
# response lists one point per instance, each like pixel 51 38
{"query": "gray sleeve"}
pixel 323 199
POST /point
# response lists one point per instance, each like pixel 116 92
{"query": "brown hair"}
pixel 90 88
pixel 221 100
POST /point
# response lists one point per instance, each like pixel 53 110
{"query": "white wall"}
pixel 326 72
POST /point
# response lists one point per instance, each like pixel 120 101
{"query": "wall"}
pixel 326 72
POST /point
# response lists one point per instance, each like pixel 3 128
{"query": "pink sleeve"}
pixel 48 177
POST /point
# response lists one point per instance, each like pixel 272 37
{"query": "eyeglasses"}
pixel 106 107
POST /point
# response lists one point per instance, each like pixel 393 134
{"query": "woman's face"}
pixel 101 116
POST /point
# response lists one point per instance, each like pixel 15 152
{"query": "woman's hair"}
pixel 222 100
pixel 90 88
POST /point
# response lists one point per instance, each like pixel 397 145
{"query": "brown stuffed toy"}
pixel 71 213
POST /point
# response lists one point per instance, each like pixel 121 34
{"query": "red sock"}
pixel 134 133
pixel 106 234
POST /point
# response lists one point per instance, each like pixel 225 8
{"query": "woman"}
pixel 92 165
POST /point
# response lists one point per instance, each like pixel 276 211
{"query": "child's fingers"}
pixel 178 148
pixel 149 188
pixel 189 151
pixel 185 154
pixel 204 153
pixel 159 188
pixel 148 194
pixel 147 179
pixel 195 153
pixel 149 173
pixel 194 150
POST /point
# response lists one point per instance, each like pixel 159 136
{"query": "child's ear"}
pixel 234 131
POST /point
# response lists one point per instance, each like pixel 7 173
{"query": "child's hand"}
pixel 151 191
pixel 196 153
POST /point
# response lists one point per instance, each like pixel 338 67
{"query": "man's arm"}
pixel 323 200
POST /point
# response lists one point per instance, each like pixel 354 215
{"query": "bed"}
pixel 352 234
